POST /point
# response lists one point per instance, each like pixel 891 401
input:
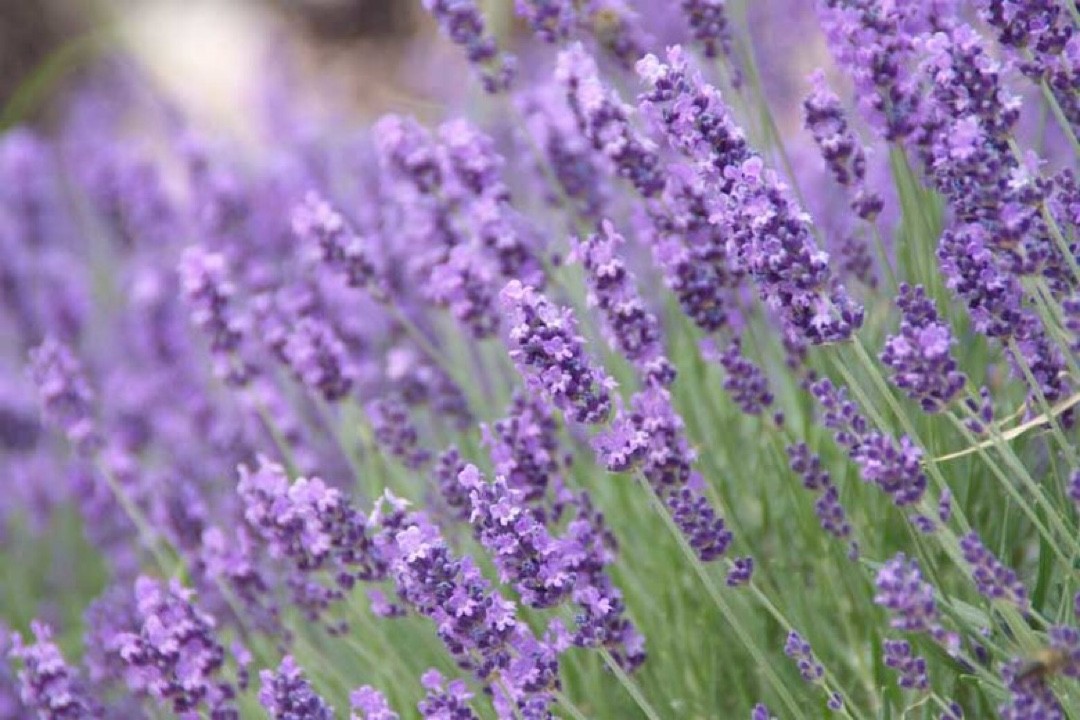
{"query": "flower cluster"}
pixel 463 23
pixel 286 694
pixel 47 684
pixel 550 354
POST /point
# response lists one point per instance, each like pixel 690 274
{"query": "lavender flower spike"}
pixel 47 684
pixel 993 579
pixel 551 20
pixel 902 590
pixel 550 354
pixel 66 397
pixel 919 355
pixel 368 703
pixel 445 700
pixel 286 694
pixel 605 121
pixel 316 223
pixel 632 328
pixel 463 23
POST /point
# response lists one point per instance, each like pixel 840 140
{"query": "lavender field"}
pixel 691 359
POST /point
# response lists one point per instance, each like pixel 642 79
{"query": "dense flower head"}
pixel 477 625
pixel 445 700
pixel 839 147
pixel 174 654
pixel 550 354
pixel 920 354
pixel 454 497
pixel 993 579
pixel 1030 697
pixel 308 523
pixel 894 466
pixel 700 524
pixel 912 668
pixel 463 23
pixel 47 685
pixel 317 356
pixel 367 703
pixel 605 120
pixel 287 695
pixel 525 553
pixel 745 382
pixel 632 327
pixel 769 237
pixel 67 400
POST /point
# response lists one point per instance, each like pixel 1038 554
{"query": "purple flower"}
pixel 745 382
pixel 632 328
pixel 524 552
pixel 709 25
pixel 524 448
pixel 993 579
pixel 316 223
pixel 616 27
pixel 605 120
pixel 699 523
pixel 742 569
pixel 920 355
pixel 47 685
pixel 396 433
pixel 769 237
pixel 211 295
pixel 799 650
pixel 1030 697
pixel 316 356
pixel 286 694
pixel 367 703
pixel 478 626
pixel 902 590
pixel 550 354
pixel 445 700
pixel 845 157
pixel 67 401
pixel 463 23
pixel 760 712
pixel 816 479
pixel 551 20
pixel 945 506
pixel 912 668
pixel 174 654
pixel 895 467
pixel 455 498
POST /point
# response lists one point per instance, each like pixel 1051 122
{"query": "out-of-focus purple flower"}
pixel 67 401
pixel 912 668
pixel 550 354
pixel 605 120
pixel 920 355
pixel 1030 697
pixel 902 590
pixel 742 570
pixel 48 686
pixel 463 23
pixel 769 237
pixel 551 20
pixel 317 356
pixel 993 579
pixel 1074 487
pixel 632 328
pixel 799 650
pixel 709 25
pixel 844 155
pixel 286 694
pixel 316 223
pixel 174 654
pixel 816 479
pixel 761 712
pixel 367 703
pixel 445 700
pixel 395 431
pixel 454 498
pixel 617 28
pixel 210 293
pixel 873 44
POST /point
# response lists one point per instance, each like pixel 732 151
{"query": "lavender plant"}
pixel 639 378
